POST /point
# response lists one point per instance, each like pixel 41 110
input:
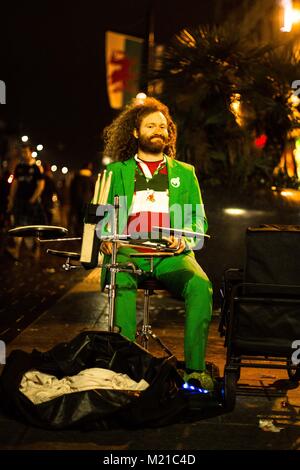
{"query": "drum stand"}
pixel 146 331
pixel 52 233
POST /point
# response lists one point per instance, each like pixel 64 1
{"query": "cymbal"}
pixel 64 254
pixel 39 231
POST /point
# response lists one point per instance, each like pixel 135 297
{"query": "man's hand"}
pixel 174 242
pixel 106 247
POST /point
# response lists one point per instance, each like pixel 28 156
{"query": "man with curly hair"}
pixel 159 191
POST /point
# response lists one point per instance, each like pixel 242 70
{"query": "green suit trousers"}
pixel 183 277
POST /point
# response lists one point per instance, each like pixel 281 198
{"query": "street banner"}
pixel 123 68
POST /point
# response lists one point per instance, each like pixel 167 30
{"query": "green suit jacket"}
pixel 185 201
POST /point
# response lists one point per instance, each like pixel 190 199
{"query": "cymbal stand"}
pixel 115 267
pixel 146 331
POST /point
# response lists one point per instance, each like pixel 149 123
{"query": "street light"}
pixel 53 168
pixel 24 138
pixel 140 98
pixel 34 154
pixel 290 15
pixel 235 107
pixel 234 211
pixel 64 170
pixel 106 161
pixel 39 147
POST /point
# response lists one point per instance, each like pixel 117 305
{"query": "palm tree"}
pixel 224 92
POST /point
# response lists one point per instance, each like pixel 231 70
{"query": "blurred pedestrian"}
pixel 24 202
pixel 49 193
pixel 4 193
pixel 81 194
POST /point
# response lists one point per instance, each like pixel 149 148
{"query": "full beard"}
pixel 154 146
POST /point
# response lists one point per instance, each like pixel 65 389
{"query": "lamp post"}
pixel 290 16
pixel 148 50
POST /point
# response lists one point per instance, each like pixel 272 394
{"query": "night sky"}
pixel 52 58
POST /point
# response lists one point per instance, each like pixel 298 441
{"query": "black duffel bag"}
pixel 161 403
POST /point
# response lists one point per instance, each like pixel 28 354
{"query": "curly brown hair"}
pixel 119 142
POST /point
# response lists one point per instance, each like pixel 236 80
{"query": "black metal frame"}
pixel 235 293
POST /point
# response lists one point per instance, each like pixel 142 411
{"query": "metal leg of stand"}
pixel 111 306
pixel 146 331
pixel 112 286
pixel 146 328
pixel 112 291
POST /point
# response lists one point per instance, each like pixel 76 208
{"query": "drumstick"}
pixel 102 186
pixel 181 232
pixel 97 188
pixel 106 189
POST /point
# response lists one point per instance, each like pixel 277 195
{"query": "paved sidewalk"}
pixel 83 308
pixel 30 286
